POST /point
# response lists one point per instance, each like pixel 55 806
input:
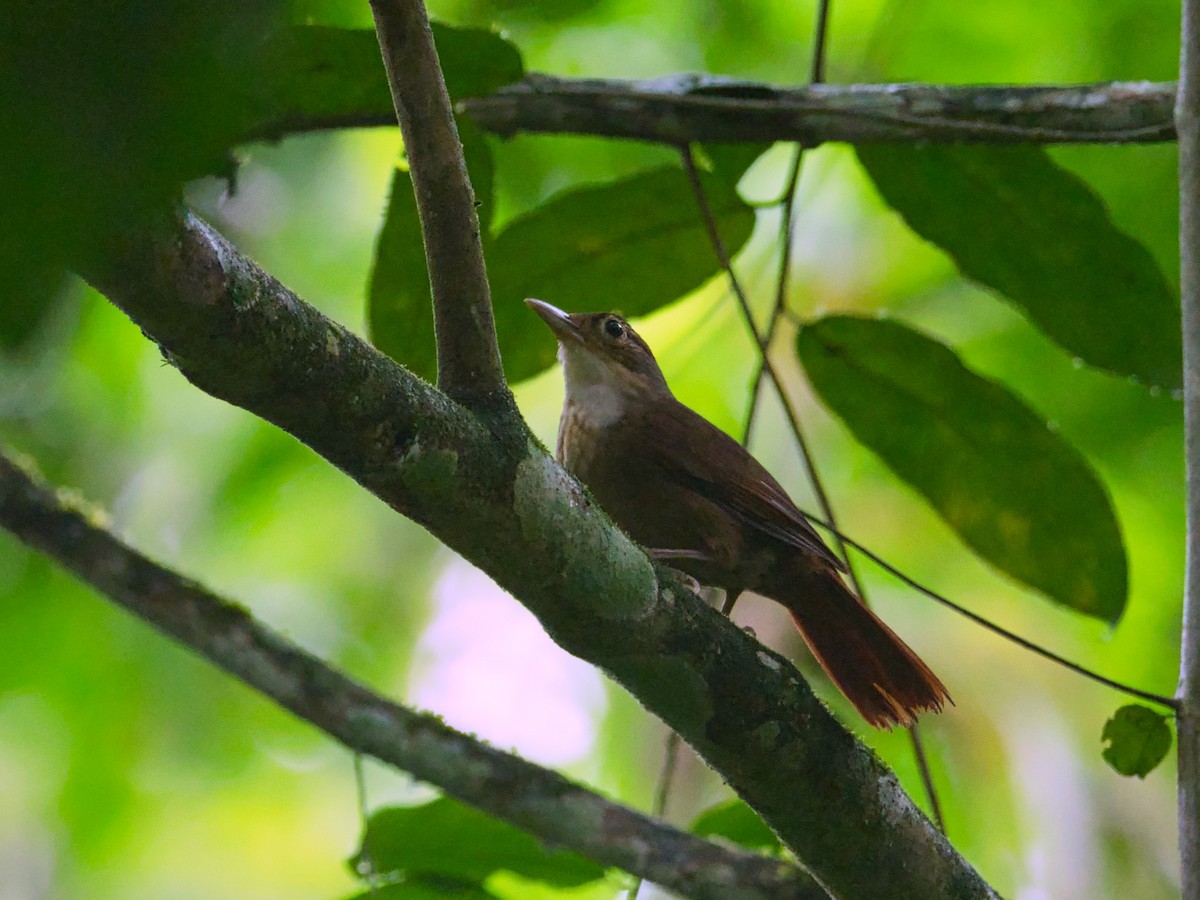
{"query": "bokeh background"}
pixel 129 769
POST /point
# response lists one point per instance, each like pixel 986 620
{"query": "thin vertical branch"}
pixel 364 863
pixel 935 804
pixel 469 368
pixel 1187 124
pixel 786 238
pixel 816 74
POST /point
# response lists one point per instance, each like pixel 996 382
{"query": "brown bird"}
pixel 698 500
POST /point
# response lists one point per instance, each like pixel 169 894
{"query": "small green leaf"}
pixel 1015 221
pixel 447 839
pixel 631 246
pixel 737 822
pixel 399 303
pixel 1138 739
pixel 1013 489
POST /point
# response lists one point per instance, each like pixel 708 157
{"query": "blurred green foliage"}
pixel 130 769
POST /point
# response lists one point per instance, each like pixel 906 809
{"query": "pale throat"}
pixel 598 392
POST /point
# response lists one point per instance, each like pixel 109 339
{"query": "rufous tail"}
pixel 885 680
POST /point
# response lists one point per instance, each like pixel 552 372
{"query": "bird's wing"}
pixel 696 452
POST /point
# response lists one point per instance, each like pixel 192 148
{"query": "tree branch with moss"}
pixel 494 496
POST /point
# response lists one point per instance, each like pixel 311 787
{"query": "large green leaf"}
pixel 1013 489
pixel 316 74
pixel 450 840
pixel 632 245
pixel 30 293
pixel 1015 221
pixel 399 303
pixel 108 108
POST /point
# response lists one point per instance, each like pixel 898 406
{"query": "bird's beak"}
pixel 560 323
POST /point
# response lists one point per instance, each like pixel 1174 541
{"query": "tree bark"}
pixel 1187 119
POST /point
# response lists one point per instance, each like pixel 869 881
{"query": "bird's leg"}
pixel 668 555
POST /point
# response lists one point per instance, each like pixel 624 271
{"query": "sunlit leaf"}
pixel 1013 489
pixel 1137 739
pixel 449 839
pixel 399 303
pixel 1015 221
pixel 737 822
pixel 631 246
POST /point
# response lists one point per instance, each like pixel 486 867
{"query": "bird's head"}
pixel 600 351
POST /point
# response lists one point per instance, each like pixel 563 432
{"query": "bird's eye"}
pixel 613 328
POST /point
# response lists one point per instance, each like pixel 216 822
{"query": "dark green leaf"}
pixel 1013 489
pixel 737 822
pixel 450 840
pixel 118 104
pixel 1138 739
pixel 399 304
pixel 399 315
pixel 632 246
pixel 316 75
pixel 476 61
pixel 1015 221
pixel 732 161
pixel 29 294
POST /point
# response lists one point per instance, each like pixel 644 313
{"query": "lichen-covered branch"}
pixel 493 495
pixel 469 368
pixel 542 802
pixel 685 108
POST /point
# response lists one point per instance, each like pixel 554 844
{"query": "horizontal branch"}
pixel 683 108
pixel 559 812
pixel 491 493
